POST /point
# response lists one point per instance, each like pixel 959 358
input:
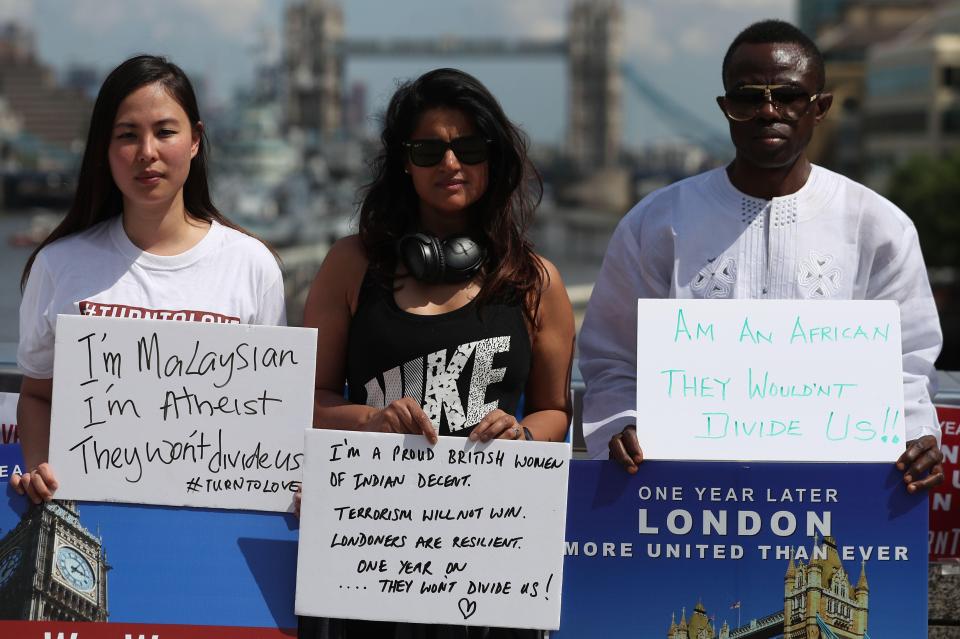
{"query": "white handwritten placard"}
pixel 773 380
pixel 180 413
pixel 392 529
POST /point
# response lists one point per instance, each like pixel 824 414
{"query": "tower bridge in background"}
pixel 452 45
pixel 316 51
pixel 592 50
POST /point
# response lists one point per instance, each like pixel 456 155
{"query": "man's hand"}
pixel 625 449
pixel 922 457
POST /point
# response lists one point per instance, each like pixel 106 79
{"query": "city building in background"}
pixel 845 30
pixel 594 52
pixel 313 66
pixel 290 149
pixel 83 78
pixel 52 117
pixel 912 101
pixel 814 14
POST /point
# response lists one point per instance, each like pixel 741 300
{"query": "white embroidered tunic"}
pixel 702 238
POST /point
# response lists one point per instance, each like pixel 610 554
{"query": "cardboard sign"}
pixel 770 380
pixel 463 533
pixel 945 498
pixel 733 551
pixel 180 413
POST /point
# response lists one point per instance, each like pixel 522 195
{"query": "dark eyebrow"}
pixel 131 125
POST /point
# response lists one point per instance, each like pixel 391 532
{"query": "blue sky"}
pixel 677 44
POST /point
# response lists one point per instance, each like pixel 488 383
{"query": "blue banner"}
pixel 144 564
pixel 716 550
pixel 737 550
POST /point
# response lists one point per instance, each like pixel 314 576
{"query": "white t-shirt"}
pixel 227 277
pixel 702 238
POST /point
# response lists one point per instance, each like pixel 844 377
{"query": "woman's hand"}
pixel 497 425
pixel 33 418
pixel 402 416
pixel 38 484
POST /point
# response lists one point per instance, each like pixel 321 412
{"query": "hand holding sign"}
pixel 39 484
pixel 181 413
pixel 922 464
pixel 774 380
pixel 625 449
pixel 393 529
pixel 402 416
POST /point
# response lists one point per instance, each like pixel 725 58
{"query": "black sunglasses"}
pixel 469 150
pixel 744 102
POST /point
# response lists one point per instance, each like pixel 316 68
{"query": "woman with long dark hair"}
pixel 438 315
pixel 142 239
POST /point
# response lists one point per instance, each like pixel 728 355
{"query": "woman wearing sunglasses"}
pixel 438 315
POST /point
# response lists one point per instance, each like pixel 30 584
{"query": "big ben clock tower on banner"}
pixel 52 568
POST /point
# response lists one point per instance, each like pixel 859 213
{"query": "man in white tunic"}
pixel 770 225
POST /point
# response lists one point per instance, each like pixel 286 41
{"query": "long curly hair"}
pixel 97 197
pixel 499 219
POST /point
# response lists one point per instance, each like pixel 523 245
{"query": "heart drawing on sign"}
pixel 467 607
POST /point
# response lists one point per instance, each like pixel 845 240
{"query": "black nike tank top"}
pixel 458 366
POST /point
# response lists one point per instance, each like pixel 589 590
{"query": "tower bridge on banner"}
pixel 763 628
pixel 819 600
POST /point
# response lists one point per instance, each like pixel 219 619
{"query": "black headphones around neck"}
pixel 435 261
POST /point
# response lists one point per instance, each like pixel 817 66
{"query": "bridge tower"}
pixel 862 593
pixel 813 587
pixel 595 49
pixel 789 585
pixel 314 66
pixel 821 591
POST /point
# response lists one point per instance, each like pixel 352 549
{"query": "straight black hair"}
pixel 97 197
